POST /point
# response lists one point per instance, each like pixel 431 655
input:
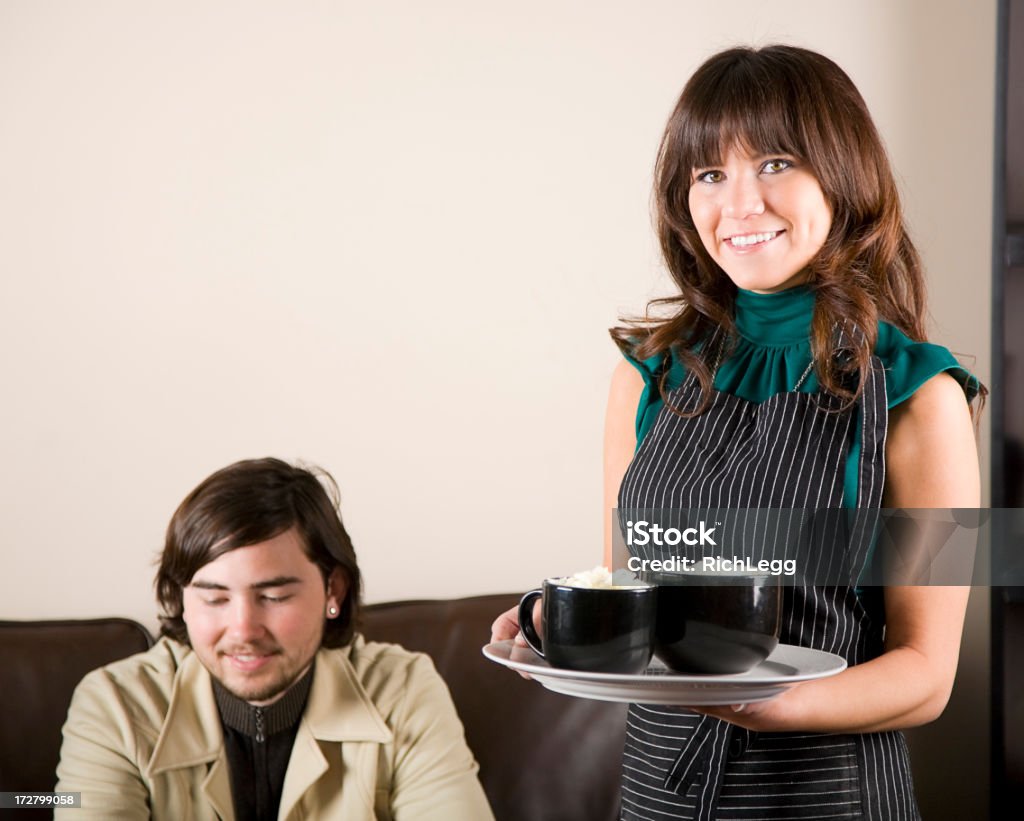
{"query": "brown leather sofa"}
pixel 543 756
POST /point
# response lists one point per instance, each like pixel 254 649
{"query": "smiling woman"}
pixel 790 371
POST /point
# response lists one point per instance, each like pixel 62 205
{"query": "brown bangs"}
pixel 742 103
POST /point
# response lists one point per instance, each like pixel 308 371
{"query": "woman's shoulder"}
pixel 651 369
pixel 909 365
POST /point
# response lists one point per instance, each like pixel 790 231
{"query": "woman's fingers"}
pixel 506 626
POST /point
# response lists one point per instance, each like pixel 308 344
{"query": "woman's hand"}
pixel 506 626
pixel 759 716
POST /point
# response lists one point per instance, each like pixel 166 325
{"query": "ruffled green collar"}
pixel 782 318
pixel 773 352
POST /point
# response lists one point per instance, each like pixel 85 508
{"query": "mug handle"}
pixel 526 621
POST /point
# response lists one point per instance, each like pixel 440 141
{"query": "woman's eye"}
pixel 214 602
pixel 276 599
pixel 776 165
pixel 709 176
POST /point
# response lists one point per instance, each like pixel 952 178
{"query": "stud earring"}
pixel 332 611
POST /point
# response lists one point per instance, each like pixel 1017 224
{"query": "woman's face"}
pixel 762 218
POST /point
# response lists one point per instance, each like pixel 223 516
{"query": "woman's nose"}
pixel 743 198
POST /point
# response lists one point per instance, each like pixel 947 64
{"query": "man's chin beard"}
pixel 268 692
pixel 262 695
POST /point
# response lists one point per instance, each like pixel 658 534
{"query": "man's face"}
pixel 255 616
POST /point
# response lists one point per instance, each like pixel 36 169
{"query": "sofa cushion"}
pixel 543 756
pixel 43 661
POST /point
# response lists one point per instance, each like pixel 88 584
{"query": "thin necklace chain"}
pixel 803 378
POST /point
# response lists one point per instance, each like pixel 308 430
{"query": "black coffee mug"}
pixel 596 629
pixel 716 623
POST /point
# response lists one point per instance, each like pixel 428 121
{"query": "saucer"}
pixel 786 666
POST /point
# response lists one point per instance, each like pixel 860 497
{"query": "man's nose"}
pixel 246 621
pixel 743 197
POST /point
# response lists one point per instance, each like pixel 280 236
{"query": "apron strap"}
pixel 702 761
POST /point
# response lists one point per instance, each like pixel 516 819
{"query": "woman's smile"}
pixel 746 243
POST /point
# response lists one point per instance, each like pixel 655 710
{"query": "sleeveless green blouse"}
pixel 773 352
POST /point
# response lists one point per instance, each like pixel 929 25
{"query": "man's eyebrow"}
pixel 207 585
pixel 277 581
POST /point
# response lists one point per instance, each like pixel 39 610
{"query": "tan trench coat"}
pixel 379 739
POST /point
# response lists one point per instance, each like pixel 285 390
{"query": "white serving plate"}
pixel 786 666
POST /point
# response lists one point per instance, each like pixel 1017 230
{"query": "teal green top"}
pixel 774 350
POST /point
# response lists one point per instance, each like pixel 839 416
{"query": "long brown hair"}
pixel 251 502
pixel 785 100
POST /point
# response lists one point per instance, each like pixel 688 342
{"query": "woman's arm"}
pixel 619 441
pixel 932 462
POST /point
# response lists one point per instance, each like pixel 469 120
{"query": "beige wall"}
pixel 387 238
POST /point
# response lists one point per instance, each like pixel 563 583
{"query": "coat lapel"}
pixel 191 734
pixel 217 789
pixel 338 710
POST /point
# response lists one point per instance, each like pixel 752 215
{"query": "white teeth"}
pixel 746 240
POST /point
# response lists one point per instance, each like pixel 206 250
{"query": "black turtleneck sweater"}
pixel 258 742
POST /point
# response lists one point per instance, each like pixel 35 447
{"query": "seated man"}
pixel 260 701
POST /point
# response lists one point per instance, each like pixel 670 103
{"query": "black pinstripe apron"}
pixel 787 452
